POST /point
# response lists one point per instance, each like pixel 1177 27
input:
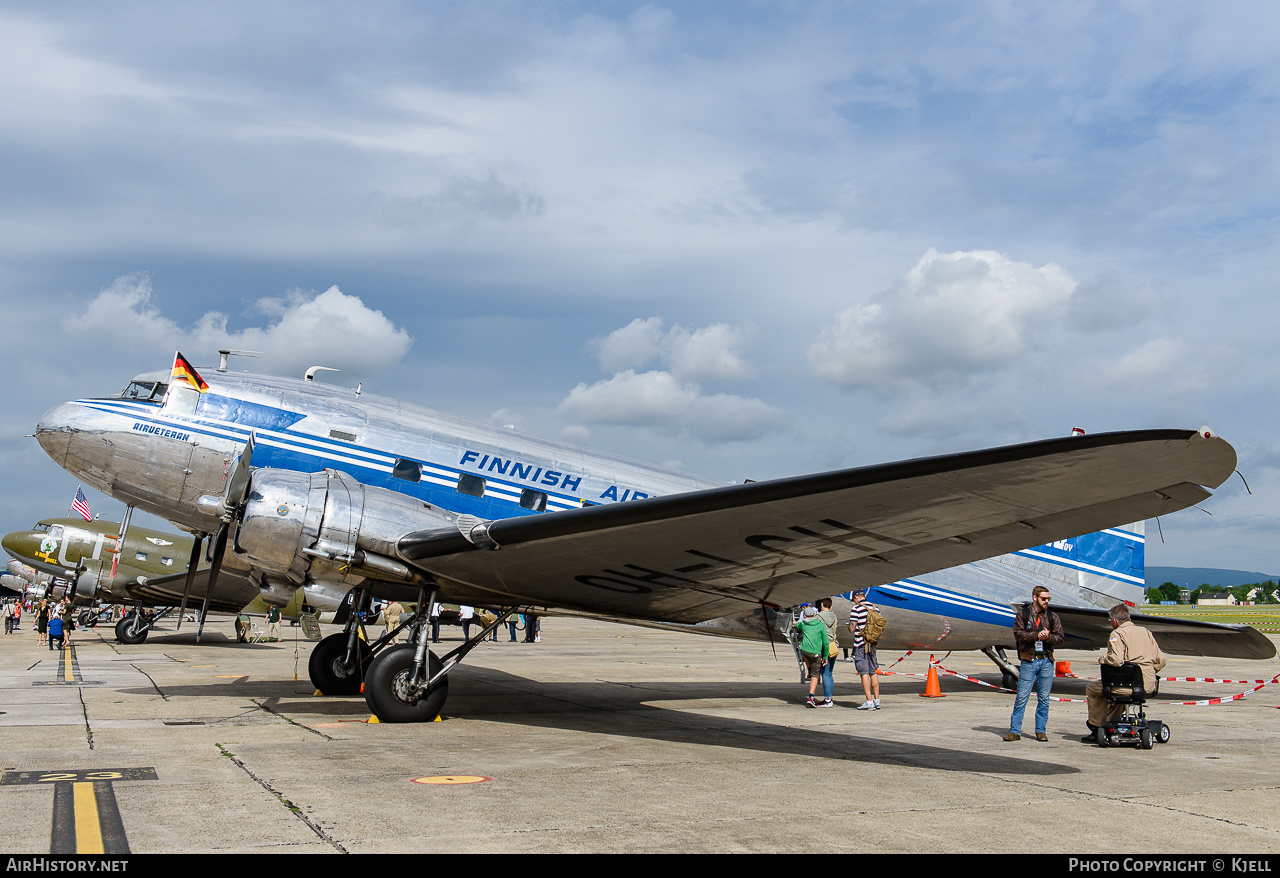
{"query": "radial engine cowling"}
pixel 327 526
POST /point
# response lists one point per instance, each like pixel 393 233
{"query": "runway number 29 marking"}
pixel 86 819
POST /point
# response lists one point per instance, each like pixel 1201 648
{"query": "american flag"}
pixel 81 505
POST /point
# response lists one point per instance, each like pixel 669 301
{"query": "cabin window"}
pixel 140 556
pixel 409 470
pixel 472 486
pixel 168 562
pixel 148 390
pixel 535 500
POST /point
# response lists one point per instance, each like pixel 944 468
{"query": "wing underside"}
pixel 696 556
pixel 232 592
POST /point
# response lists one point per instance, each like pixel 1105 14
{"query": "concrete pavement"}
pixel 613 739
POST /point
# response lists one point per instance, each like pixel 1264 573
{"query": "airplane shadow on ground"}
pixel 650 711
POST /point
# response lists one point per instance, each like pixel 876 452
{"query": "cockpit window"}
pixel 146 390
pixel 40 528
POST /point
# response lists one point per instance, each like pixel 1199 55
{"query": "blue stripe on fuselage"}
pixel 1114 554
pixel 246 414
pixel 301 452
pixel 920 597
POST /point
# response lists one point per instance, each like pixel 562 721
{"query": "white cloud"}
pixel 331 329
pixel 657 399
pixel 672 400
pixel 952 315
pixel 709 353
pixel 630 347
pixel 706 354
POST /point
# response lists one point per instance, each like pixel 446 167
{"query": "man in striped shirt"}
pixel 864 659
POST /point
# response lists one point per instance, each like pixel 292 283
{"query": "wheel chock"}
pixel 318 694
pixel 373 718
pixel 1062 669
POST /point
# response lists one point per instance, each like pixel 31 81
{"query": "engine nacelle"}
pixel 87 585
pixel 28 573
pixel 327 527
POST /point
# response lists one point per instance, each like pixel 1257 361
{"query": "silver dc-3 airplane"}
pixel 299 484
pixel 91 562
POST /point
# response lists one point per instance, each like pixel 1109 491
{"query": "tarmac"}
pixel 609 738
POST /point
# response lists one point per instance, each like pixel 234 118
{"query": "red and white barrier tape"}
pixel 1220 700
pixel 1223 700
pixel 1176 679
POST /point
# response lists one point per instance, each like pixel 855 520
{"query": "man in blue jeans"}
pixel 1036 631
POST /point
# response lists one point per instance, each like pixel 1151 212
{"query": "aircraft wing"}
pixel 1088 628
pixel 232 591
pixel 698 555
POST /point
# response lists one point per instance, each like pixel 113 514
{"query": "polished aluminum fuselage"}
pixel 172 460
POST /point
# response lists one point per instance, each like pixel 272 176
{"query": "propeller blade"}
pixel 237 482
pixel 192 563
pixel 215 567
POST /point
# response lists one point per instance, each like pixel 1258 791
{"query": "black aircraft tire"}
pixel 1009 681
pixel 126 634
pixel 87 619
pixel 385 688
pixel 328 670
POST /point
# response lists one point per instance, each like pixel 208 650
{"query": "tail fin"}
pixel 1097 569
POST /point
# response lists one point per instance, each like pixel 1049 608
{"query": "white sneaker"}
pixel 877 704
pixel 867 705
pixel 826 702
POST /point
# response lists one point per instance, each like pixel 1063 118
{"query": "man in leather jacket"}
pixel 1036 631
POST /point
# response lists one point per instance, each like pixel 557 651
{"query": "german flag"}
pixel 184 371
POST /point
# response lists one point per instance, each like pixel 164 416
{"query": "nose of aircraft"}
pixel 14 543
pixel 53 432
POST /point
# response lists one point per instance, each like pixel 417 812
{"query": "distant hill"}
pixel 1194 577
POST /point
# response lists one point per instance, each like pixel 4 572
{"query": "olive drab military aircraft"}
pixel 155 572
pixel 300 484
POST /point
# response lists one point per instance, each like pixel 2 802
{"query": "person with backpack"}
pixel 867 624
pixel 828 617
pixel 1036 631
pixel 812 634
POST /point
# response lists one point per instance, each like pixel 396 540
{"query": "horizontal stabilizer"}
pixel 1088 628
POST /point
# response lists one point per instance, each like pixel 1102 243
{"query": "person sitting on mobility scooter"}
pixel 1128 645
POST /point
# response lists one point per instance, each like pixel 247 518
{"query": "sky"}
pixel 745 240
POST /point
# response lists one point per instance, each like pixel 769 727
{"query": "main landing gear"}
pixel 339 663
pixel 402 683
pixel 133 628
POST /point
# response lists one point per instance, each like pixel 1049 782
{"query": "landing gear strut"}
pixel 408 683
pixel 1008 671
pixel 396 694
pixel 339 663
pixel 132 629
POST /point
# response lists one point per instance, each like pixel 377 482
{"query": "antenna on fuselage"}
pixel 223 355
pixel 311 373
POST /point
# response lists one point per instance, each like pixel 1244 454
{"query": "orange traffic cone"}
pixel 931 687
pixel 1062 669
